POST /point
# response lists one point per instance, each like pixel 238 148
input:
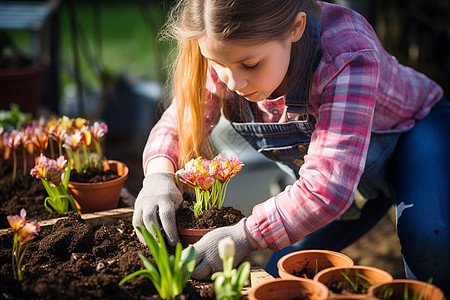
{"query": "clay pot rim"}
pixel 272 281
pixel 320 251
pixel 357 267
pixel 122 177
pixel 371 289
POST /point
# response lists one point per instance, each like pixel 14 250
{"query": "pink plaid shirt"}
pixel 357 88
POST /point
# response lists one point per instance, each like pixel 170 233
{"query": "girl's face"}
pixel 254 72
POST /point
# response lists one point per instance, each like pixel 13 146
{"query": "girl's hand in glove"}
pixel 208 260
pixel 159 192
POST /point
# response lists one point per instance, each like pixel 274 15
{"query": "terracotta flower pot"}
pixel 287 289
pixel 100 196
pixel 190 236
pixel 414 287
pixel 310 262
pixel 333 277
pixel 22 86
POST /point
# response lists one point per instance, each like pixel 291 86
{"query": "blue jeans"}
pixel 418 176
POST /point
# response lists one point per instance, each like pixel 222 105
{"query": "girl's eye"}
pixel 250 67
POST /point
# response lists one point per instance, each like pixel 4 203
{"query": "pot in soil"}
pixel 351 282
pixel 417 290
pixel 286 289
pixel 307 263
pixel 99 196
pixel 191 228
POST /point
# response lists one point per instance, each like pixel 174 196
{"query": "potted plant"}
pixel 289 289
pixel 307 263
pixel 209 179
pixel 406 289
pixel 95 183
pixel 351 282
pixel 20 78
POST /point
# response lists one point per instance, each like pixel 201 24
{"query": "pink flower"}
pixel 13 139
pixel 50 169
pixel 98 130
pixel 17 222
pixel 28 232
pixel 57 131
pixel 226 169
pixel 73 141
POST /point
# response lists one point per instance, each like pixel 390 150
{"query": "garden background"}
pixel 106 63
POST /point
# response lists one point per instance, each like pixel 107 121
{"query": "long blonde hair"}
pixel 245 21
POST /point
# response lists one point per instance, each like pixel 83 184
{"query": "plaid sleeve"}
pixel 163 138
pixel 335 159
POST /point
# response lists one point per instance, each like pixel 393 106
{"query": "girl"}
pixel 309 85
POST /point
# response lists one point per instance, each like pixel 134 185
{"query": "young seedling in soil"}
pixel 171 272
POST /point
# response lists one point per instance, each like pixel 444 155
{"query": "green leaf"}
pixel 132 275
pixel 241 277
pixel 188 264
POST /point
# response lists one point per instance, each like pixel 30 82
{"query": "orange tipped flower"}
pixel 17 222
pixel 28 232
pixel 39 138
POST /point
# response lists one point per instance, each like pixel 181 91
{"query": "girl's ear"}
pixel 299 27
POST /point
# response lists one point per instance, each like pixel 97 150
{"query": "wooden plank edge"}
pixel 94 219
pixel 257 276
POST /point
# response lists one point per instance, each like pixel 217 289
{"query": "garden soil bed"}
pixel 74 260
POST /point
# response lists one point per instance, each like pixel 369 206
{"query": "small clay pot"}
pixel 414 287
pixel 100 196
pixel 287 289
pixel 331 277
pixel 190 236
pixel 310 261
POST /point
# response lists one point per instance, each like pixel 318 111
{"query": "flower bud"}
pixel 226 248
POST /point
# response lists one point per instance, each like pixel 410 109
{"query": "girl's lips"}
pixel 248 95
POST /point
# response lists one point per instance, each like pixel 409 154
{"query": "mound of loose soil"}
pixel 212 218
pixel 74 260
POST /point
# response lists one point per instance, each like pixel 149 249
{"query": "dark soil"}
pixel 26 192
pixel 210 219
pixel 74 260
pixel 93 175
pixel 29 193
pixel 308 271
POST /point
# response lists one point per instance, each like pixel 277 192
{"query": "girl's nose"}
pixel 235 83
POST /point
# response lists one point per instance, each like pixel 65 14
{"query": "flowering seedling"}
pixel 12 140
pixel 171 272
pixel 23 232
pixel 209 178
pixel 55 175
pixel 229 283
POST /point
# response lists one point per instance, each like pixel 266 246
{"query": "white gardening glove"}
pixel 159 191
pixel 207 252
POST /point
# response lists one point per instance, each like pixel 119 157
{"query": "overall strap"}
pixel 296 101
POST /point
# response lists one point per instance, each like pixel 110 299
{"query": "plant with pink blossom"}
pixel 12 140
pixel 55 175
pixel 23 232
pixel 209 179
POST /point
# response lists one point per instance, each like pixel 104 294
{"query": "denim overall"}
pixel 287 143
